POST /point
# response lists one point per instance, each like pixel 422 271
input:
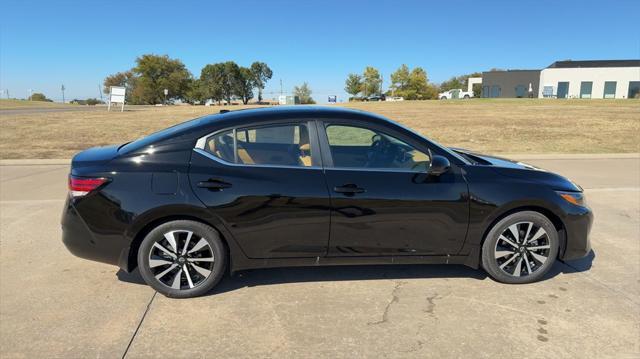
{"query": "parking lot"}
pixel 55 305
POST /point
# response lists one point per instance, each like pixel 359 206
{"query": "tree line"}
pixel 225 81
pixel 411 84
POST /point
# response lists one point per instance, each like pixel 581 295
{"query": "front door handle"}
pixel 214 185
pixel 349 189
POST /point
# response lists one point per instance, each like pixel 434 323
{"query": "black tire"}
pixel 546 246
pixel 443 97
pixel 466 97
pixel 215 266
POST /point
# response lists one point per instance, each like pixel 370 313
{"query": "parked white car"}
pixel 455 93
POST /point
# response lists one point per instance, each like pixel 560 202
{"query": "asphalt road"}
pixel 55 305
pixel 66 108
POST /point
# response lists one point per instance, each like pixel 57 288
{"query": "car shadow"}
pixel 271 276
pixel 573 266
pixel 275 276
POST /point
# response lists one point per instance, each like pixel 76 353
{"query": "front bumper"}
pixel 578 225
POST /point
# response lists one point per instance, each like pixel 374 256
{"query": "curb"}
pixel 569 156
pixel 35 162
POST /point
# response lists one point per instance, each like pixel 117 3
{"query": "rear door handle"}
pixel 214 185
pixel 349 189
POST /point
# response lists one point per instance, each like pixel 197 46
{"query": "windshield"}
pixel 444 148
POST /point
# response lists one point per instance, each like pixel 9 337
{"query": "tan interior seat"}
pixel 244 156
pixel 219 146
pixel 305 147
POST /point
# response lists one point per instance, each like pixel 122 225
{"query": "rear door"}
pixel 265 183
pixel 383 202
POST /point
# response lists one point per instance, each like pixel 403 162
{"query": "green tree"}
pixel 155 73
pixel 458 82
pixel 211 79
pixel 196 93
pixel 353 84
pixel 261 74
pixel 400 79
pixel 304 94
pixel 37 96
pixel 245 84
pixel 412 84
pixel 372 81
pixel 230 80
pixel 93 101
pixel 124 79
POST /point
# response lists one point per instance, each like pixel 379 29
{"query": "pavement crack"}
pixel 394 299
pixel 144 315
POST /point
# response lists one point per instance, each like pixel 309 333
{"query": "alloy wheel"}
pixel 522 249
pixel 181 259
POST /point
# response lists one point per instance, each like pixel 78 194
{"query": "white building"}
pixel 591 79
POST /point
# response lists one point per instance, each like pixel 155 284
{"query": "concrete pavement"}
pixel 55 305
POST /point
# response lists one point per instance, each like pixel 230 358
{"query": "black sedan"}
pixel 307 186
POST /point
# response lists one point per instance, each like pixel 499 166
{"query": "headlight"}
pixel 576 198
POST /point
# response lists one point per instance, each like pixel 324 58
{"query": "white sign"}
pixel 117 95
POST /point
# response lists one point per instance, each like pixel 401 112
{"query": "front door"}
pixel 383 202
pixel 265 184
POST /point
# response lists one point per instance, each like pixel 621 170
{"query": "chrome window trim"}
pixel 223 162
pixel 367 169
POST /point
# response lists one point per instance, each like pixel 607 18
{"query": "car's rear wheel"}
pixel 443 97
pixel 520 248
pixel 182 258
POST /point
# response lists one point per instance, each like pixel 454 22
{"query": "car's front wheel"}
pixel 182 259
pixel 520 248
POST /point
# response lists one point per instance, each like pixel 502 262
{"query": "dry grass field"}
pixel 491 126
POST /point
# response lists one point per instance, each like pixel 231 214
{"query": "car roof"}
pixel 204 125
pixel 288 112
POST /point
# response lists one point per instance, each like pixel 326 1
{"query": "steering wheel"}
pixel 378 150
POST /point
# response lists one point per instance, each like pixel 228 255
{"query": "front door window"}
pixel 358 147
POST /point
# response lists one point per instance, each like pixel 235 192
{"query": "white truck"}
pixel 455 93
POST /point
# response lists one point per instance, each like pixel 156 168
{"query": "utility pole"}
pixel 62 89
pixel 281 87
pixel 30 94
pixel 100 92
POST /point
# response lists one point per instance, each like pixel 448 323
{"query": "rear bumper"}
pixel 79 240
pixel 578 225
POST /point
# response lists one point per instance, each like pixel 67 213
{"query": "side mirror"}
pixel 439 165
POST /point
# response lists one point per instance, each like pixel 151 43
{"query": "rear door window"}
pixel 271 145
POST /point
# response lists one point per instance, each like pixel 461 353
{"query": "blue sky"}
pixel 44 44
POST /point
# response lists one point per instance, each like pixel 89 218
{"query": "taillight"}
pixel 81 186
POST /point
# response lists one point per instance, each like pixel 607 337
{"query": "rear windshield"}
pixel 160 135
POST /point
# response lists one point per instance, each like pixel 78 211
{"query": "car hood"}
pixel 521 170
